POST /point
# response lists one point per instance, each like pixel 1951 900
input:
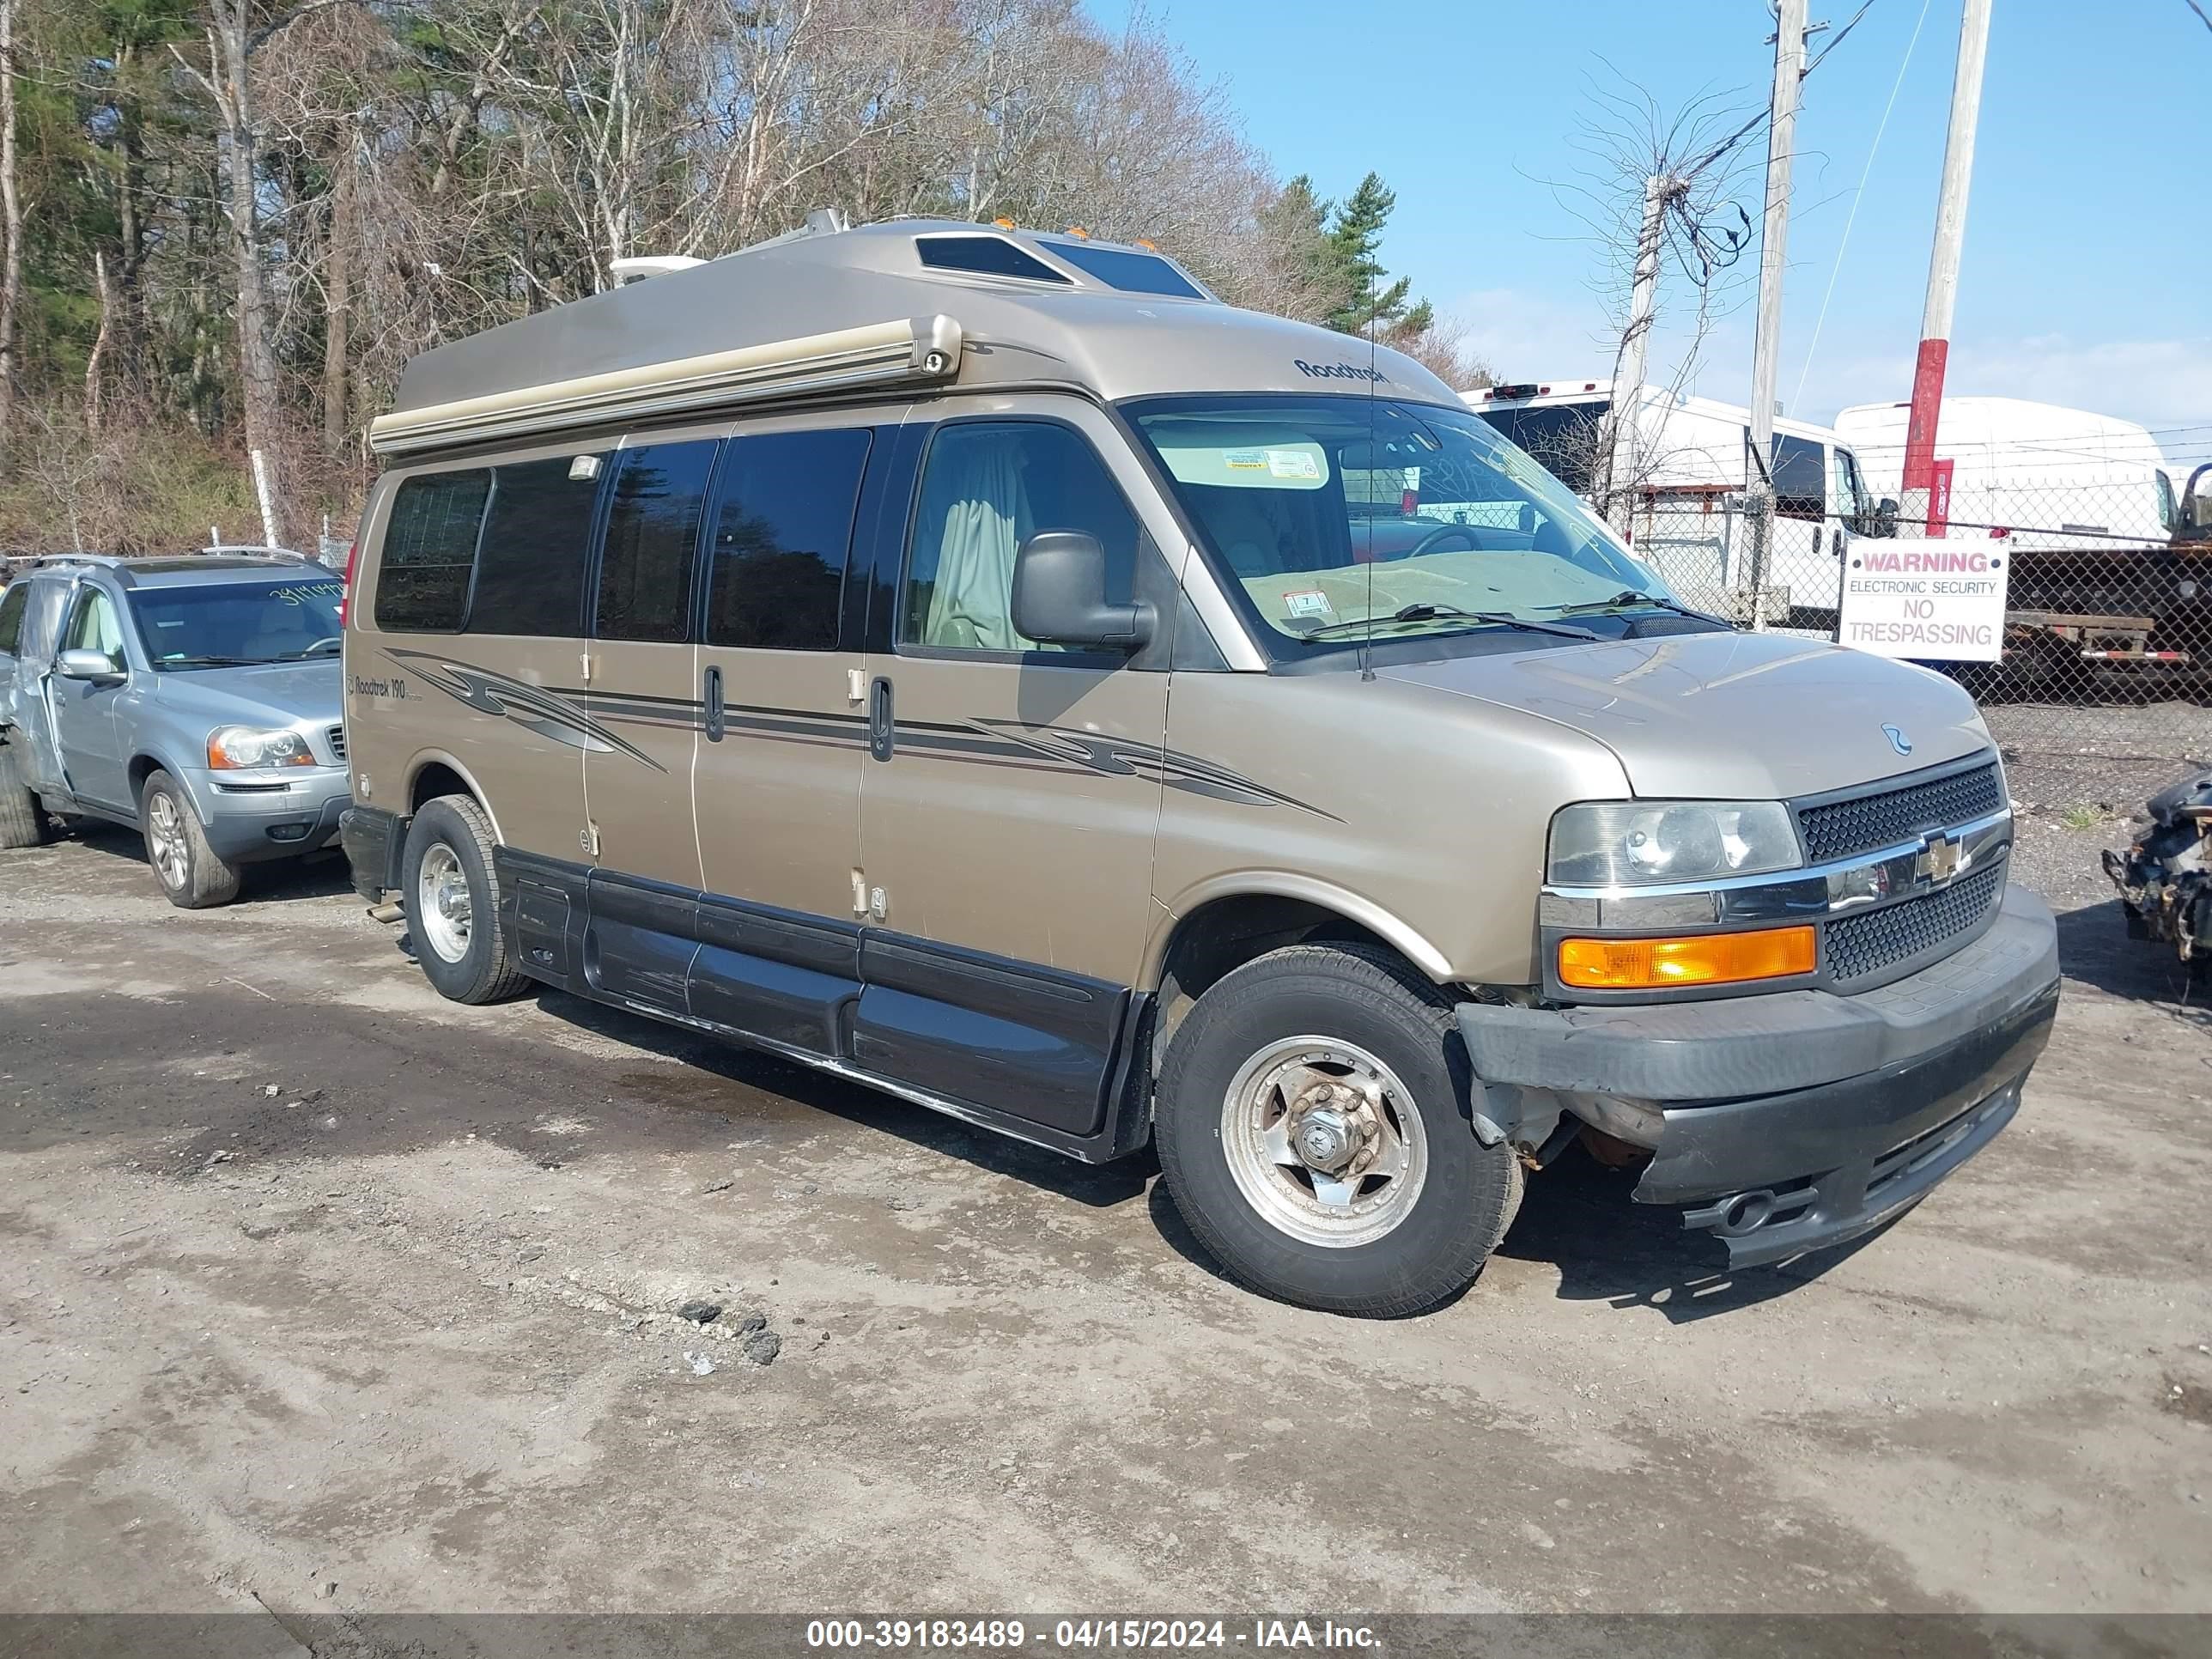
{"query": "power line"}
pixel 1859 195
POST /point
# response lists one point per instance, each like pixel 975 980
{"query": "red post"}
pixel 1920 428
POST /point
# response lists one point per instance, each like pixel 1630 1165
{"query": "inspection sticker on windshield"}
pixel 1293 464
pixel 1308 602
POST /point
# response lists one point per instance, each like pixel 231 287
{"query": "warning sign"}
pixel 1933 601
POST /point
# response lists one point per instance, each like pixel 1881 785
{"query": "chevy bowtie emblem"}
pixel 1898 740
pixel 1938 859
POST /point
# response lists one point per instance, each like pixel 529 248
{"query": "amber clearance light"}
pixel 1643 964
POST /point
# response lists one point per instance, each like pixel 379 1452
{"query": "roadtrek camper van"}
pixel 984 665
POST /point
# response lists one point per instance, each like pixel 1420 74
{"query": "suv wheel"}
pixel 449 888
pixel 23 822
pixel 1314 1135
pixel 189 869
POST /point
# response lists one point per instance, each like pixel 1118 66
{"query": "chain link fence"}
pixel 2103 689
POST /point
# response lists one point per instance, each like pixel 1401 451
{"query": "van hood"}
pixel 1728 716
pixel 264 694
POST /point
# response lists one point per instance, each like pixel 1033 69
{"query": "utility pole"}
pixel 1773 246
pixel 1917 507
pixel 1621 445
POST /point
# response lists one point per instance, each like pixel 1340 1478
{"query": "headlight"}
pixel 1619 843
pixel 238 748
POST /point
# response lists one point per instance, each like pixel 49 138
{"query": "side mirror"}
pixel 87 665
pixel 1885 517
pixel 1059 596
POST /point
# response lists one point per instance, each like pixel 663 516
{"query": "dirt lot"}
pixel 321 1295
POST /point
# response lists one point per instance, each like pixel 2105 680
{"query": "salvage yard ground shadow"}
pixel 731 1081
pixel 318 875
pixel 2095 950
pixel 1576 1216
pixel 1580 1217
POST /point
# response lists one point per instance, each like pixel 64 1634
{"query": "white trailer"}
pixel 2047 479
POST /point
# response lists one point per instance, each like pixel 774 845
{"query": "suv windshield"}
pixel 1333 515
pixel 228 624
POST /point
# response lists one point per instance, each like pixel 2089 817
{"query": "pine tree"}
pixel 1355 233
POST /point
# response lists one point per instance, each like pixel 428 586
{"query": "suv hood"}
pixel 267 694
pixel 1728 716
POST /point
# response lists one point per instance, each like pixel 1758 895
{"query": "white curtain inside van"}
pixel 986 518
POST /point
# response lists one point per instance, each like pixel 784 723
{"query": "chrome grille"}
pixel 337 743
pixel 1874 939
pixel 1839 828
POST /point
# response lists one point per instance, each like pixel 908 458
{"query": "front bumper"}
pixel 253 816
pixel 1801 1119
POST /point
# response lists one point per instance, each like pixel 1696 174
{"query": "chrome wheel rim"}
pixel 441 904
pixel 1324 1141
pixel 165 840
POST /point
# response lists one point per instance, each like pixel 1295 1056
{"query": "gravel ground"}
pixel 2078 778
pixel 322 1297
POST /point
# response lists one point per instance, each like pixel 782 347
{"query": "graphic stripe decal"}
pixel 554 712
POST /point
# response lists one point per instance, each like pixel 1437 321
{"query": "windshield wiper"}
pixel 1627 597
pixel 1419 612
pixel 195 661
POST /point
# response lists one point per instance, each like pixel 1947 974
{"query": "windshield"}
pixel 1332 515
pixel 228 624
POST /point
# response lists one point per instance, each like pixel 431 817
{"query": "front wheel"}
pixel 1313 1133
pixel 449 888
pixel 191 873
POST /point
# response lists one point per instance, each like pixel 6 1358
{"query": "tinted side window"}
pixel 652 540
pixel 530 568
pixel 430 548
pixel 986 488
pixel 783 527
pixel 1800 478
pixel 11 615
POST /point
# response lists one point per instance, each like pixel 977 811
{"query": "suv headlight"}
pixel 241 748
pixel 1621 843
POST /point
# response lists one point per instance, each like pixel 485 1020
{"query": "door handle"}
pixel 880 718
pixel 715 726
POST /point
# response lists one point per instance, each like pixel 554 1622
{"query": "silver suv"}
pixel 195 699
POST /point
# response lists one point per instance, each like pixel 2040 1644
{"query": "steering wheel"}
pixel 1442 533
pixel 335 643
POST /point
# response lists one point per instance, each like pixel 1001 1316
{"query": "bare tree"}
pixel 1656 188
pixel 11 222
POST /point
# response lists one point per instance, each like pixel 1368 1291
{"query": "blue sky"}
pixel 2087 270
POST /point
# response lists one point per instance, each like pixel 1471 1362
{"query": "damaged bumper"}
pixel 1800 1119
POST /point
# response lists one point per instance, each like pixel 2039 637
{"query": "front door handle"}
pixel 715 725
pixel 880 718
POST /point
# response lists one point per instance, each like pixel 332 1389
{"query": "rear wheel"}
pixel 1313 1133
pixel 190 872
pixel 449 887
pixel 23 822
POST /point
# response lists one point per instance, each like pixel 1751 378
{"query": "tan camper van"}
pixel 982 665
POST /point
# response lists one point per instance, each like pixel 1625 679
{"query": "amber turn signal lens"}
pixel 1644 964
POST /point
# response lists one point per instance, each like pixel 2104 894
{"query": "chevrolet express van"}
pixel 984 665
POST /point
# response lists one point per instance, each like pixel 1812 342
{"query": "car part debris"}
pixel 2164 876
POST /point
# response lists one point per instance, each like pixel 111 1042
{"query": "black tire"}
pixel 483 971
pixel 1363 996
pixel 194 877
pixel 23 820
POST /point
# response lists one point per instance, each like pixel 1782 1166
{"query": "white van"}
pixel 2051 478
pixel 1688 462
